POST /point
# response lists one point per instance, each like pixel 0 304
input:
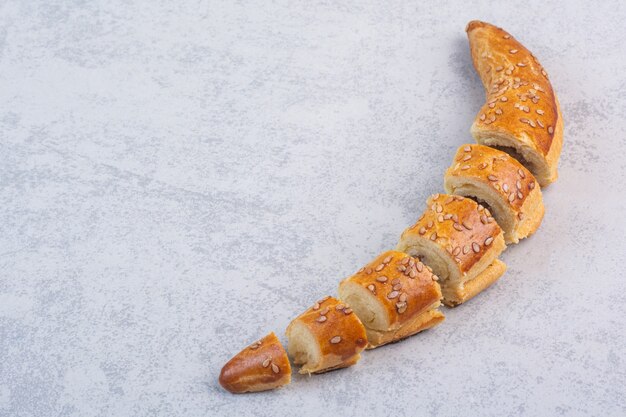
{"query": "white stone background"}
pixel 178 178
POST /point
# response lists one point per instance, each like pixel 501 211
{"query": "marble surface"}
pixel 179 178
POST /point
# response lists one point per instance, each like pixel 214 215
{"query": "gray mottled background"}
pixel 179 178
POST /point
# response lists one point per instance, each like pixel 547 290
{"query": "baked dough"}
pixel 394 296
pixel 261 366
pixel 521 114
pixel 326 336
pixel 499 182
pixel 461 242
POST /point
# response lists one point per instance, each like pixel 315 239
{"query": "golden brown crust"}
pixel 521 103
pixel 338 332
pixel 460 226
pixel 261 366
pixel 520 198
pixel 460 294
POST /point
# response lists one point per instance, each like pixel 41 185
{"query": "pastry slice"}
pixel 499 182
pixel 326 336
pixel 394 296
pixel 261 366
pixel 461 242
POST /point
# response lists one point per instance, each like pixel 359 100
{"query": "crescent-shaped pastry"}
pixel 500 183
pixel 395 296
pixel 461 242
pixel 521 114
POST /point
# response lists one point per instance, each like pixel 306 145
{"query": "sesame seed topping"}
pixel 531 185
pixel 539 111
pixel 381 278
pixel 531 123
pixel 395 281
pixel 498 111
pixel 492 177
pixel 457 227
pixel 475 247
pixel 368 270
pixel 483 116
pixel 520 195
pixel 435 277
pixel 422 230
pixel 467 157
pixel 393 294
pixel 267 362
pixel 401 308
pixel 402 268
pixel 492 118
pixel 419 266
pixel 499 68
pixel 466 249
pixel 467 225
pixel 540 124
pixel 440 218
pixel 340 306
pixel 488 241
pixel 439 208
pixel 520 215
pixel 321 319
pixel 521 173
pixel 511 197
pixel 402 297
pixel 505 187
pixel 347 311
pixel 550 130
pixel 433 236
pixel 521 64
pixel 335 340
pixel 456 251
pixel 518 185
pixel 465 167
pixel 467 148
pixel 324 311
pixel 398 286
pixel 275 368
pixel 513 51
pixel 387 259
pixel 448 201
pixel 316 306
pixel 430 224
pixel 483 165
pixel 506 36
pixel 405 261
pixel 492 105
pixel 503 98
pixel 371 287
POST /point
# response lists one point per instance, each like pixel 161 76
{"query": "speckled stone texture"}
pixel 177 179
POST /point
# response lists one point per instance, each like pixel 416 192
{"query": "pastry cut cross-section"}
pixel 262 366
pixel 461 242
pixel 499 182
pixel 395 296
pixel 325 337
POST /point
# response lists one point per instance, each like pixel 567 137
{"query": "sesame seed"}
pixel 456 251
pixel 402 308
pixel 324 311
pixel 483 165
pixel 267 362
pixel 506 36
pixel 465 167
pixel 321 319
pixel 520 215
pixel 492 177
pixel 492 105
pixel 380 267
pixel 511 197
pixel 531 185
pixel 275 368
pixel 430 224
pixel 433 236
pixel 467 225
pixel 368 270
pixel 447 216
pixel 435 277
pixel 523 120
pixel 440 218
pixel 467 157
pixel 531 123
pixel 435 196
pixel 393 294
pixel 488 241
pixel 420 266
pixel 539 123
pixel 371 287
pixel 439 208
pixel 466 249
pixel 505 187
pixel 347 311
pixel 475 247
pixel 539 111
pixel 499 68
pixel 335 340
pixel 422 230
pixel 513 51
pixel 457 227
pixel 402 268
pixel 492 118
pixel 467 148
pixel 387 259
pixel 483 116
pixel 402 297
pixel 395 281
pixel 398 286
pixel 498 111
pixel 521 173
pixel 503 98
pixel 339 306
pixel 405 261
pixel 518 185
pixel 316 306
pixel 448 201
pixel 520 195
pixel 521 64
pixel 455 218
pixel 381 278
pixel 550 130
